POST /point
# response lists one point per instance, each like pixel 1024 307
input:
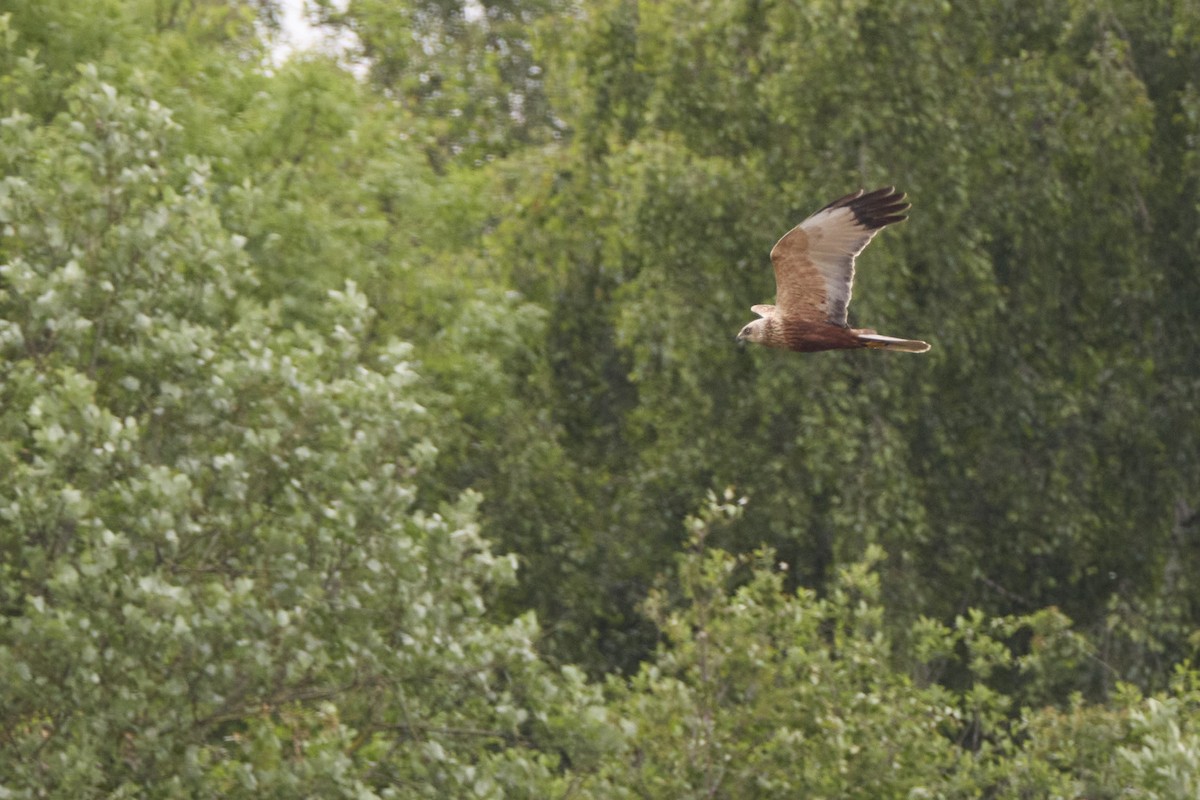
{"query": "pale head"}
pixel 755 331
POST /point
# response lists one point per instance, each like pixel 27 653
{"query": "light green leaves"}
pixel 211 541
pixel 251 544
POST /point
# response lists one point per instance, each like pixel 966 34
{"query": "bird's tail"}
pixel 878 342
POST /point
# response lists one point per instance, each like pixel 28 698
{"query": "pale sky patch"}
pixel 298 34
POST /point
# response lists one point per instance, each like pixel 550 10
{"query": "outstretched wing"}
pixel 814 261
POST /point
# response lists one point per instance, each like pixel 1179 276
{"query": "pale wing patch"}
pixel 835 238
pixel 763 310
pixel 814 262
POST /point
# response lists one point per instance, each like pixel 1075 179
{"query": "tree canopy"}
pixel 380 432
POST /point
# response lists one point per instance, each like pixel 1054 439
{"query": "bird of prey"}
pixel 814 270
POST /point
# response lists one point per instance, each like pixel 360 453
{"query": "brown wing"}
pixel 814 261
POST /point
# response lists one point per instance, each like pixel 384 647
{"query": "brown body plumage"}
pixel 814 275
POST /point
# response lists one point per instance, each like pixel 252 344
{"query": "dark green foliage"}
pixel 1025 462
pixel 358 435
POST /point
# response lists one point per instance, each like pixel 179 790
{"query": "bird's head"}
pixel 755 331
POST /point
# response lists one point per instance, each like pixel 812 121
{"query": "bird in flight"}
pixel 814 271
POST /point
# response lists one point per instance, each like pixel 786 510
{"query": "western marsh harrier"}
pixel 814 270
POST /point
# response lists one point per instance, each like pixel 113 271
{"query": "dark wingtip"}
pixel 875 209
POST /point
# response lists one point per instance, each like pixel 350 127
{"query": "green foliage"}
pixel 758 692
pixel 466 72
pixel 1163 760
pixel 1033 458
pixel 348 425
pixel 216 580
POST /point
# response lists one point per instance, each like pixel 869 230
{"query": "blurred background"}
pixel 373 425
